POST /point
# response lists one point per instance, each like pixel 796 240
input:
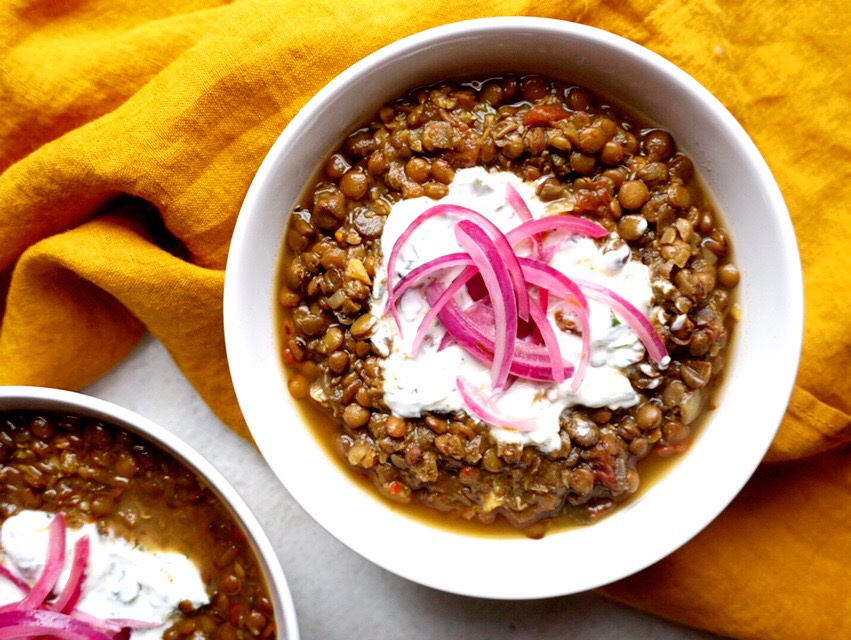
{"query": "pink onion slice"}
pixel 130 623
pixel 545 277
pixel 542 322
pixel 548 252
pixel 70 595
pixel 531 362
pixel 52 566
pixel 34 616
pixel 438 304
pixel 497 278
pixel 29 624
pixel 446 341
pixel 543 303
pixel 522 210
pixel 517 202
pixel 424 270
pixel 15 580
pixel 561 226
pixel 554 223
pixel 504 248
pixel 483 408
pixel 632 316
pixel 104 625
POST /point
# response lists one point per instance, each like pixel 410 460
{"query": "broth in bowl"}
pixel 506 293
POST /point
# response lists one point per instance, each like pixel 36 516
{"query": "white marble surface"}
pixel 338 594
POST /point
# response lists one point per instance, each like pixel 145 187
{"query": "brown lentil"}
pixel 632 227
pixel 354 184
pixel 658 145
pixel 649 416
pixel 591 140
pixel 728 275
pixel 396 427
pixel 612 154
pixel 633 194
pixel 355 416
pixel 298 386
pixel 417 169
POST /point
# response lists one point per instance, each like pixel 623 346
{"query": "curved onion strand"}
pixel 70 595
pixel 504 248
pixel 30 624
pixel 15 580
pixel 52 566
pixel 570 224
pixel 423 271
pixel 531 362
pixel 544 276
pixel 522 210
pixel 130 623
pixel 548 335
pixel 497 280
pixel 107 626
pixel 435 308
pixel 517 202
pixel 632 316
pixel 482 407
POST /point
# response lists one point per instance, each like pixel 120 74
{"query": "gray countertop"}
pixel 337 593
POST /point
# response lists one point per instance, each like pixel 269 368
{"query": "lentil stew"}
pixel 94 472
pixel 583 155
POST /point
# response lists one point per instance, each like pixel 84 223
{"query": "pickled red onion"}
pixel 70 595
pixel 517 202
pixel 495 273
pixel 632 316
pixel 39 622
pixel 52 566
pixel 507 277
pixel 439 303
pixel 522 210
pixel 130 623
pixel 539 317
pixel 554 223
pixel 481 407
pixel 546 277
pixel 15 580
pixel 530 361
pixel 424 270
pixel 504 248
pixel 106 626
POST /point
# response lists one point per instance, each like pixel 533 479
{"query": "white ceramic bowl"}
pixel 762 362
pixel 45 399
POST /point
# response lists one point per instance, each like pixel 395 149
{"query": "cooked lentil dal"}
pixel 95 472
pixel 579 151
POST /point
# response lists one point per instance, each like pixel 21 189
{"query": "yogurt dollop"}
pixel 427 383
pixel 123 581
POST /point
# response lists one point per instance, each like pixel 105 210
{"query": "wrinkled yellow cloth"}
pixel 130 131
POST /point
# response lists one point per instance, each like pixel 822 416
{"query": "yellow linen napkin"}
pixel 130 131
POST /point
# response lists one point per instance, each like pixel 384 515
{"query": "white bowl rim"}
pixel 50 399
pixel 240 365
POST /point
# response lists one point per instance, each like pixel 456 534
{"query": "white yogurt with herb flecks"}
pixel 427 383
pixel 122 581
